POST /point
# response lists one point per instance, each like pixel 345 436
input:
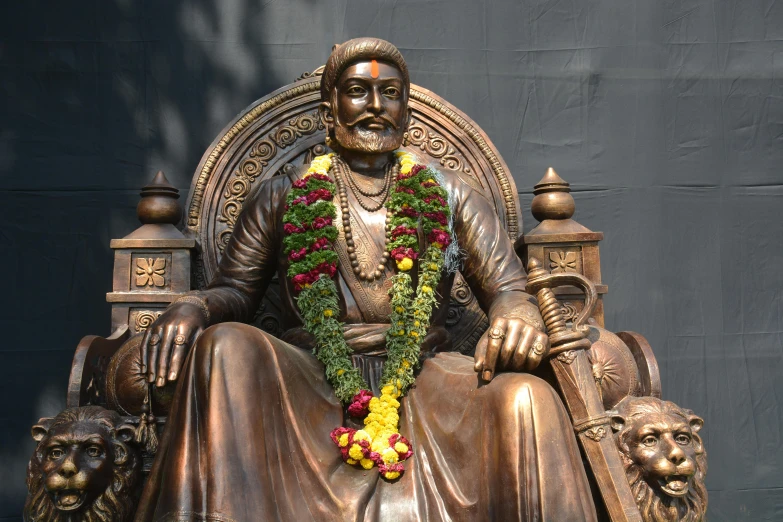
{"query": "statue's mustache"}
pixel 367 116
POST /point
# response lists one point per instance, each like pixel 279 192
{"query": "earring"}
pixel 406 139
pixel 328 139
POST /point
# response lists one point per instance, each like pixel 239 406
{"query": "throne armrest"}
pixel 88 370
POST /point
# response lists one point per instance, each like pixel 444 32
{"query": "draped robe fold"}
pixel 247 437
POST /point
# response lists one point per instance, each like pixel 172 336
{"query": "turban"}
pixel 358 49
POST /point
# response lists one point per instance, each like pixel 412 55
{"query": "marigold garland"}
pixel 417 201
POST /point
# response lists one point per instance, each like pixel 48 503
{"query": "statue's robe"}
pixel 247 438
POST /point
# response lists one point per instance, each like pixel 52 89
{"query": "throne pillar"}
pixel 563 245
pixel 152 263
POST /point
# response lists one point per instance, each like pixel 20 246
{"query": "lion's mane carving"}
pixel 85 467
pixel 664 458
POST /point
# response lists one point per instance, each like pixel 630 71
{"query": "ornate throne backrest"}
pixel 282 131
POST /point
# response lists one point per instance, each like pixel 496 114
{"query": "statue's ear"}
pixel 326 114
pixel 617 421
pixel 409 117
pixel 125 433
pixel 40 430
pixel 696 422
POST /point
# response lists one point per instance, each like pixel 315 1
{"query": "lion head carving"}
pixel 85 467
pixel 664 458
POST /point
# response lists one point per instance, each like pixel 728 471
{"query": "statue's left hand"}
pixel 510 344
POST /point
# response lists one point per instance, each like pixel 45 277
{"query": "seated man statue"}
pixel 360 411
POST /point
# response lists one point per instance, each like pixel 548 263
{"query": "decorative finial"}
pixel 552 198
pixel 534 268
pixel 159 203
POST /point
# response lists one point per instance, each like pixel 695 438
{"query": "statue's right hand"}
pixel 167 341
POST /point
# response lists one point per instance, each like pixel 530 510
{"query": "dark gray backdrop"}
pixel 665 115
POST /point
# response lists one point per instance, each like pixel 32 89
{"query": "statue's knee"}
pixel 231 340
pixel 515 389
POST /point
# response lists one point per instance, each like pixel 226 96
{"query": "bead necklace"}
pixel 344 207
pixel 345 171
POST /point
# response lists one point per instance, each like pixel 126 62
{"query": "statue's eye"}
pixel 56 453
pixel 356 90
pixel 94 451
pixel 682 439
pixel 391 92
pixel 650 440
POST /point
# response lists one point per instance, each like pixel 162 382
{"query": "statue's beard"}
pixel 356 138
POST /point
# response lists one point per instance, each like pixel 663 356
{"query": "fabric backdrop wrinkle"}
pixel 666 118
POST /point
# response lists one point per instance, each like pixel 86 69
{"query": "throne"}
pixel 159 262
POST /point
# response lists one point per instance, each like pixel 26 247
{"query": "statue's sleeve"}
pixel 250 258
pixel 490 266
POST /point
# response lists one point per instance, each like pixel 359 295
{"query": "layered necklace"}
pixel 415 200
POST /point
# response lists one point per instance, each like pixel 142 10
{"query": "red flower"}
pixel 403 230
pixel 407 212
pixel 321 222
pixel 297 255
pixel 300 183
pixel 428 184
pixel 360 404
pixel 401 253
pixel 435 197
pixel 440 217
pixel 394 439
pixel 319 194
pixel 320 244
pixel 292 229
pixel 335 434
pixel 405 190
pixel 397 466
pixel 416 169
pixel 324 268
pixel 300 199
pixel 440 236
pixel 321 177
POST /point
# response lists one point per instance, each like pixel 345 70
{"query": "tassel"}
pixel 146 433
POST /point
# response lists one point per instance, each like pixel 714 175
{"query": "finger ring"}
pixel 496 333
pixel 180 339
pixel 538 348
pixel 154 339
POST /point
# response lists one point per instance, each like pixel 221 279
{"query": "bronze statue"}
pixel 247 436
pixel 664 458
pixel 84 468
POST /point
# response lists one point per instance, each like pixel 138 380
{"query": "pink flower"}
pixel 321 222
pixel 300 183
pixel 360 404
pixel 320 244
pixel 397 466
pixel 300 199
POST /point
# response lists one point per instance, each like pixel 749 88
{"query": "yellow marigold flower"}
pixel 405 363
pixel 436 244
pixel 328 313
pixel 367 463
pixel 355 452
pixel 351 461
pixel 374 402
pixel 399 309
pixel 389 456
pixel 430 181
pixel 405 168
pixel 416 323
pixel 400 371
pixel 361 435
pixel 379 445
pixel 433 266
pixel 414 334
pixel 426 289
pixel 342 440
pixel 340 372
pixel 405 264
pixel 401 447
pixel 401 332
pixel 391 475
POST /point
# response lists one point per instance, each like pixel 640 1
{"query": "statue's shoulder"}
pixel 459 185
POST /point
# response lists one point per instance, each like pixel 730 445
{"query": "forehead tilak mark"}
pixel 374 68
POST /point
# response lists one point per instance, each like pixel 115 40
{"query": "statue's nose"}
pixel 375 102
pixel 676 455
pixel 68 468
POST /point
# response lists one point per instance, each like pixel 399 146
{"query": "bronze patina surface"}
pixel 247 434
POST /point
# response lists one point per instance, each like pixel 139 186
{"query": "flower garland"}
pixel 417 201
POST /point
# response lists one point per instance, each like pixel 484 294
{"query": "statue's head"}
pixel 663 457
pixel 364 96
pixel 85 464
